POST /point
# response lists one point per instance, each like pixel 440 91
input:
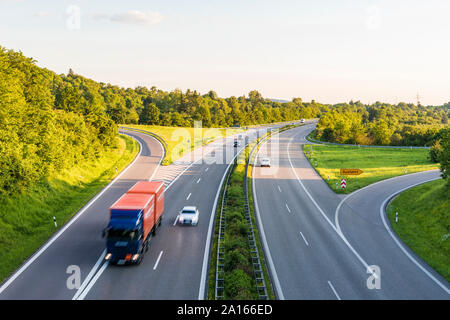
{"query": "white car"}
pixel 189 215
pixel 264 162
pixel 302 121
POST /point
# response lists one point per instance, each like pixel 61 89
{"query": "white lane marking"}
pixel 366 266
pixel 279 189
pixel 89 276
pixel 288 208
pixel 336 214
pixel 272 269
pixel 66 226
pixel 199 180
pixel 304 239
pixel 176 220
pixel 207 169
pixel 334 290
pixel 157 261
pixel 399 244
pixel 201 291
pixel 94 280
pixel 188 196
pixel 82 294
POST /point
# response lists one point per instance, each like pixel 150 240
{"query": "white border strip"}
pixel 66 226
pixel 399 244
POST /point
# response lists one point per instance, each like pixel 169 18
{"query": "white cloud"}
pixel 41 14
pixel 138 17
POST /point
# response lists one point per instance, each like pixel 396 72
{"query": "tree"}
pixel 444 156
pixel 150 114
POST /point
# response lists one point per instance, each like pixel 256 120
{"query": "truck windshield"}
pixel 121 234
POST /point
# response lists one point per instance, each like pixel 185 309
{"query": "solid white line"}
pixel 288 208
pixel 268 256
pixel 279 189
pixel 304 239
pixel 90 275
pixel 157 261
pixel 400 245
pixel 188 196
pixel 366 266
pixel 199 180
pixel 94 280
pixel 66 226
pixel 336 214
pixel 332 288
pixel 201 291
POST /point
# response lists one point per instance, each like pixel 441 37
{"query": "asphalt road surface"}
pixel 319 252
pixel 175 265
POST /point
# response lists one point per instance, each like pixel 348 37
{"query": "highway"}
pixel 175 266
pixel 321 244
pixel 79 242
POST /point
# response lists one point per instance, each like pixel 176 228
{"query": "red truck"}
pixel 133 219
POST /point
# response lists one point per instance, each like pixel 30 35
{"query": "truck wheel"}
pixel 154 231
pixel 159 223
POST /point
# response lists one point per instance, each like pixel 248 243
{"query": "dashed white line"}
pixel 188 196
pixel 157 261
pixel 334 290
pixel 279 189
pixel 199 180
pixel 176 220
pixel 288 208
pixel 207 169
pixel 304 239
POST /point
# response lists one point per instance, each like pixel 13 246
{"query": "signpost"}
pixel 351 172
pixel 343 183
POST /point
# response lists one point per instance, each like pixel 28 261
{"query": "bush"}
pixel 238 285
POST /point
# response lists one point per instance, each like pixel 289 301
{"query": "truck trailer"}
pixel 134 218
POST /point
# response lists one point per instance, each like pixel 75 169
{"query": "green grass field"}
pixel 26 220
pixel 376 163
pixel 181 140
pixel 424 223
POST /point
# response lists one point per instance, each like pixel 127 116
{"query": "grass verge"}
pixel 376 163
pixel 181 140
pixel 26 220
pixel 424 223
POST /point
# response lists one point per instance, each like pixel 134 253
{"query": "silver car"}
pixel 189 215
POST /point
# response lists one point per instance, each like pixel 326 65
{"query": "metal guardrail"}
pixel 254 253
pixel 220 263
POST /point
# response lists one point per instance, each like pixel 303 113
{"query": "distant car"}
pixel 236 144
pixel 240 137
pixel 302 121
pixel 264 162
pixel 189 215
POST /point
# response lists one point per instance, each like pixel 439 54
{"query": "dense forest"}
pixel 49 122
pixel 383 124
pixel 41 129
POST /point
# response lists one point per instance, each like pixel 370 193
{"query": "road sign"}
pixel 351 172
pixel 343 183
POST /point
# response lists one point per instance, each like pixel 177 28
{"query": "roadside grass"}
pixel 424 223
pixel 26 220
pixel 182 140
pixel 376 163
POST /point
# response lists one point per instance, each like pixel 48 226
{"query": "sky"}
pixel 327 50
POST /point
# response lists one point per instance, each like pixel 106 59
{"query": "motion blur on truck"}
pixel 134 219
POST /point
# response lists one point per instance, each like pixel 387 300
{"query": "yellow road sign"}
pixel 351 172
